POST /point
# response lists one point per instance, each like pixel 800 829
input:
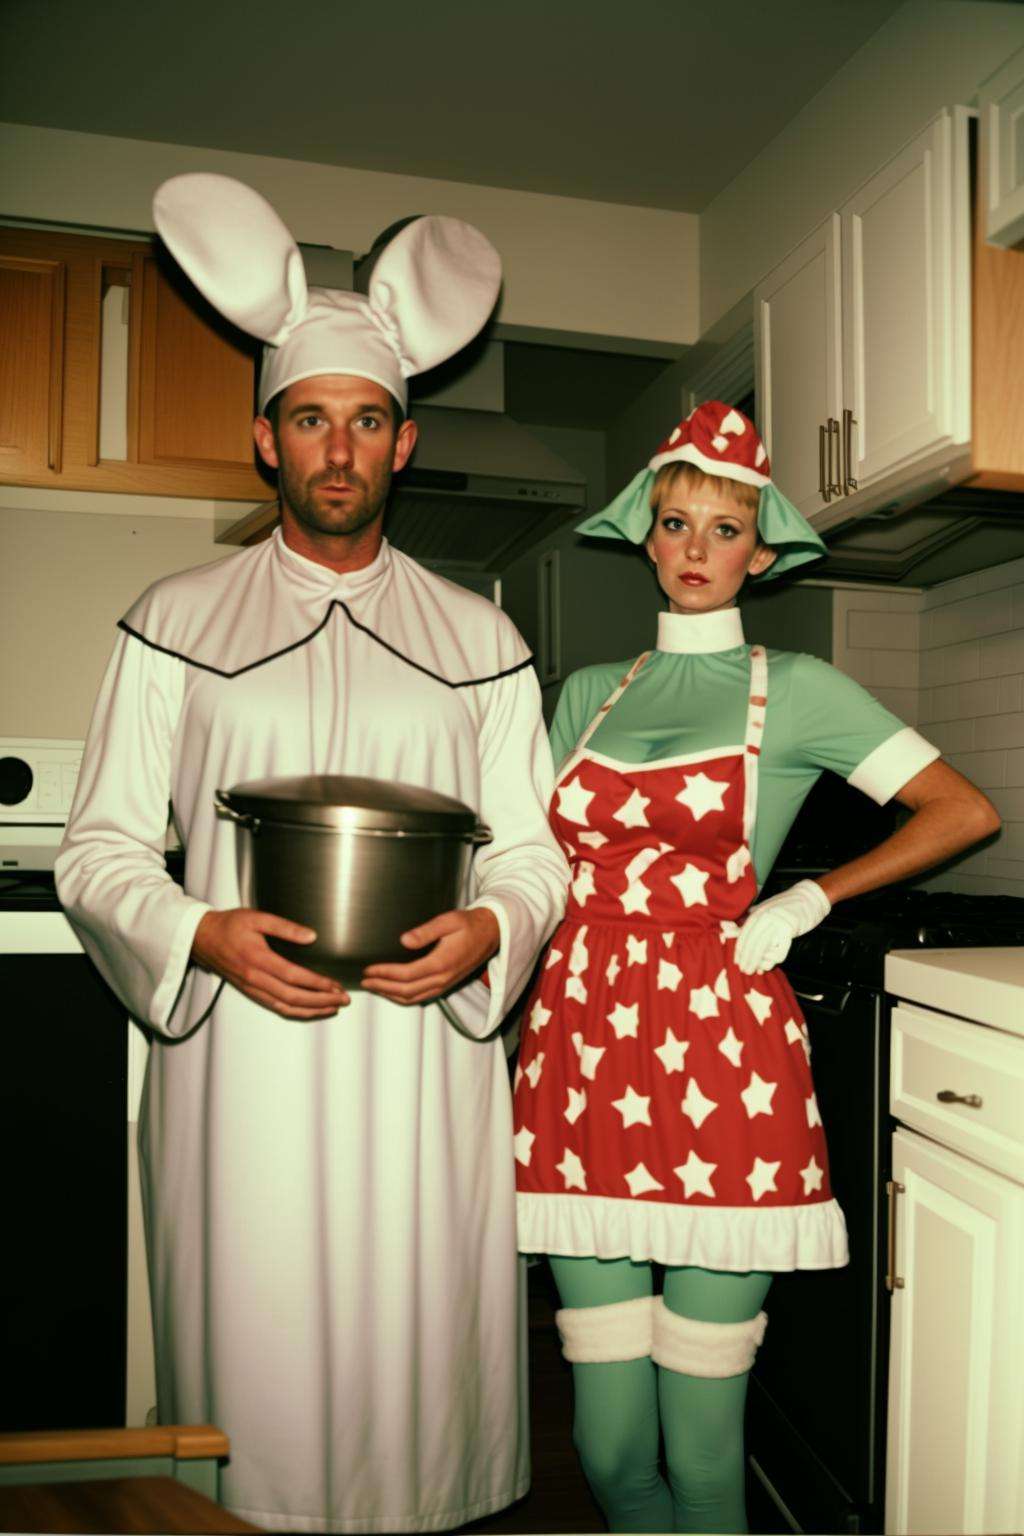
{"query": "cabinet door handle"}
pixel 826 490
pixel 893 1281
pixel 809 997
pixel 835 479
pixel 849 483
pixel 972 1100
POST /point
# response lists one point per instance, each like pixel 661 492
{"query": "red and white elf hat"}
pixel 720 440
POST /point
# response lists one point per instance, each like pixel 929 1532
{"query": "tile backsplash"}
pixel 950 661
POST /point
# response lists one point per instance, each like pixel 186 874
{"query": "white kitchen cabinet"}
pixel 863 333
pixel 957 1341
pixel 955 1458
pixel 798 366
pixel 1001 104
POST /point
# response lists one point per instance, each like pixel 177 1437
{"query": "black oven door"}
pixel 817 1398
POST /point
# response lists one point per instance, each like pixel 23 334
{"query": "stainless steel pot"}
pixel 359 860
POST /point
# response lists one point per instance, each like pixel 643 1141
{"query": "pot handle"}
pixel 481 835
pixel 227 812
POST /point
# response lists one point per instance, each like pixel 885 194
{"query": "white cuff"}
pixel 619 1331
pixel 694 1348
pixel 884 771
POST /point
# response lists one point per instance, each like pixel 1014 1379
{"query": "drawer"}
pixel 933 1054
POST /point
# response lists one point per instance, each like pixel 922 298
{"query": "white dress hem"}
pixel 734 1238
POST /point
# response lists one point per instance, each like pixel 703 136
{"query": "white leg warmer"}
pixel 694 1348
pixel 619 1331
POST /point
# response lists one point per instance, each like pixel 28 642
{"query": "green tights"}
pixel 621 1406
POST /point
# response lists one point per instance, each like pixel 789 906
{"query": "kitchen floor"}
pixel 559 1499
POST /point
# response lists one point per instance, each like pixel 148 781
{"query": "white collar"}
pixel 697 633
pixel 338 583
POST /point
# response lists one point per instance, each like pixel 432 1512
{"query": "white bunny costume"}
pixel 329 1205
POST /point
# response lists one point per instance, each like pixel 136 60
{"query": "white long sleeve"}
pixel 133 921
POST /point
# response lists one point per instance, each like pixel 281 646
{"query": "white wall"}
pixel 65 580
pixel 951 662
pixel 570 264
pixel 930 54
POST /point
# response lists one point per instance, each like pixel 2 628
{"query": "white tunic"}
pixel 330 1205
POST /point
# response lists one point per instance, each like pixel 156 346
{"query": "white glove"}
pixel 772 925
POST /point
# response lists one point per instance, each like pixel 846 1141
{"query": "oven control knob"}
pixel 16 780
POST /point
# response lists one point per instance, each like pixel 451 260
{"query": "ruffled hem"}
pixel 734 1238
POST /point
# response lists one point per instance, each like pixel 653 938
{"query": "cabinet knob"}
pixel 971 1100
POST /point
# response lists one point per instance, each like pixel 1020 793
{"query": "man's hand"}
pixel 233 945
pixel 463 941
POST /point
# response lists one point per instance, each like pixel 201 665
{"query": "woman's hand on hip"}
pixel 234 945
pixel 771 926
pixel 462 942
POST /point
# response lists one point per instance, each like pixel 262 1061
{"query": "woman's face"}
pixel 703 545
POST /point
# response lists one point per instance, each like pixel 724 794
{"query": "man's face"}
pixel 335 448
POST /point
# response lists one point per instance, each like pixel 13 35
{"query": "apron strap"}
pixel 613 698
pixel 752 737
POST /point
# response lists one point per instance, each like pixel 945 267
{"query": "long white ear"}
pixel 433 287
pixel 236 250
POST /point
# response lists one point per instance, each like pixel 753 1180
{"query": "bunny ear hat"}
pixel 720 440
pixel 432 288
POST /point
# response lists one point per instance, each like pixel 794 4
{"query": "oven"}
pixel 75 1335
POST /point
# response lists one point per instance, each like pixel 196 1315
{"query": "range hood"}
pixel 479 489
pixel 958 532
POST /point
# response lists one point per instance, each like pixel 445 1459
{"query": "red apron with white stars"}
pixel 664 1107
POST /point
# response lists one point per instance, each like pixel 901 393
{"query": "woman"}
pixel 664 1106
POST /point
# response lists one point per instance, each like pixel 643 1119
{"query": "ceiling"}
pixel 658 103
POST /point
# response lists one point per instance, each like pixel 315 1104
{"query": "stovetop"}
pixel 850 946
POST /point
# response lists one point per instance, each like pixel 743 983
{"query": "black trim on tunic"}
pixel 335 602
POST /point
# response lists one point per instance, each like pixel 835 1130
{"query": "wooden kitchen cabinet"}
pixel 1001 108
pixel 189 385
pixel 955 1447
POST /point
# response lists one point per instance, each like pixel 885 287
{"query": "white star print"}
pixel 576 990
pixel 640 1181
pixel 572 1170
pixel 589 1055
pixel 813 1112
pixel 696 1176
pixel 631 812
pixel 795 1032
pixel 761 1177
pixel 759 1004
pixel 523 1142
pixel 695 1105
pixel 703 1003
pixel 633 1107
pixel 722 986
pixel 641 862
pixel 579 957
pixel 690 885
pixel 583 885
pixel 736 863
pixel 612 970
pixel 534 1070
pixel 576 1105
pixel 731 1046
pixel 625 1021
pixel 518 1078
pixel 757 1096
pixel 701 794
pixel 636 950
pixel 573 801
pixel 667 939
pixel 671 1052
pixel 592 839
pixel 554 955
pixel 635 898
pixel 669 975
pixel 812 1176
pixel 539 1016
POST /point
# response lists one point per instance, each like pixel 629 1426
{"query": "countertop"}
pixel 983 985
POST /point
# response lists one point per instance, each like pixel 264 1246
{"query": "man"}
pixel 327 1179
